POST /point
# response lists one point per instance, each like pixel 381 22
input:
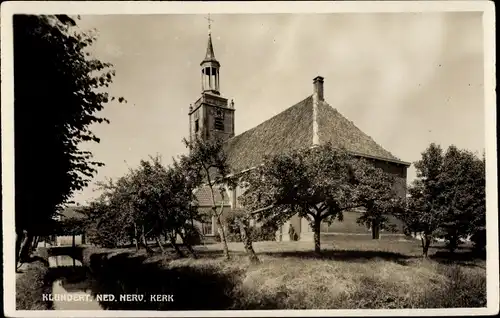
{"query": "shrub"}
pixel 479 240
pixel 31 286
pixel 263 233
pixel 192 235
pixel 257 233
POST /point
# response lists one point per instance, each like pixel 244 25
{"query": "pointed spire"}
pixel 210 55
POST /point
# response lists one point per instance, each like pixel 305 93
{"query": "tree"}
pixel 208 160
pixel 109 220
pixel 448 197
pixel 239 225
pixel 318 184
pixel 463 181
pixel 171 191
pixel 376 192
pixel 58 89
pixel 479 222
pixel 149 202
pixel 424 212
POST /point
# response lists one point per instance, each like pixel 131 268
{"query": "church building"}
pixel 311 121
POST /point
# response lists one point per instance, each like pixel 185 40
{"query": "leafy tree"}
pixel 208 161
pixel 318 184
pixel 239 225
pixel 170 193
pixel 107 222
pixel 376 191
pixel 448 197
pixel 58 89
pixel 463 181
pixel 425 208
pixel 149 202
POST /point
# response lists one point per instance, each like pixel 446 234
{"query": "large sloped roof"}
pixel 341 132
pixel 293 129
pixel 290 129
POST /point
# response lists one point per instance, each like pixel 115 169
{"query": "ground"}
pixel 351 273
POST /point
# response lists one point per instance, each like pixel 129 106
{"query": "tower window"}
pixel 196 126
pixel 219 124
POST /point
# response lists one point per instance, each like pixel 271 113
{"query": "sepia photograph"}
pixel 249 159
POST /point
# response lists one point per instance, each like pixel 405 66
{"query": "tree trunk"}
pixel 188 245
pixel 452 243
pixel 247 242
pixel 145 241
pixel 35 243
pixel 317 233
pixel 19 241
pixel 160 245
pixel 426 242
pixel 375 230
pixel 174 245
pixel 26 247
pixel 136 238
pixel 222 236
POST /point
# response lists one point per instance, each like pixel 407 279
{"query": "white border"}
pixel 146 7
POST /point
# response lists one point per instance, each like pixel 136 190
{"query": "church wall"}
pixel 400 171
pixel 210 124
pixel 199 113
pixel 349 225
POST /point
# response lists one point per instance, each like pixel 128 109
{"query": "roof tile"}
pixel 204 197
pixel 293 129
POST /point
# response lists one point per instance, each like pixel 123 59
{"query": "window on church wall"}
pixel 219 119
pixel 196 125
pixel 219 124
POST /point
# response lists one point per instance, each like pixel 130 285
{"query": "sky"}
pixel 405 79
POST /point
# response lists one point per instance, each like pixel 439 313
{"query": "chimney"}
pixel 318 88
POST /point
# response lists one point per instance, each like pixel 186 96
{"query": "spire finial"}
pixel 209 24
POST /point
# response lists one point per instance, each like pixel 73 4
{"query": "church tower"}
pixel 212 116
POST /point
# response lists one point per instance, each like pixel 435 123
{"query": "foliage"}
pixel 425 204
pixel 207 161
pixel 448 197
pixel 377 193
pixel 463 178
pixel 192 234
pixel 71 226
pixel 479 239
pixel 148 202
pixel 58 90
pixel 30 287
pixel 105 227
pixel 318 184
pixel 256 232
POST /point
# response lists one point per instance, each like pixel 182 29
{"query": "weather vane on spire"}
pixel 209 24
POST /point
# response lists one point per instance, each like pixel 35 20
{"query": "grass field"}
pixel 351 273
